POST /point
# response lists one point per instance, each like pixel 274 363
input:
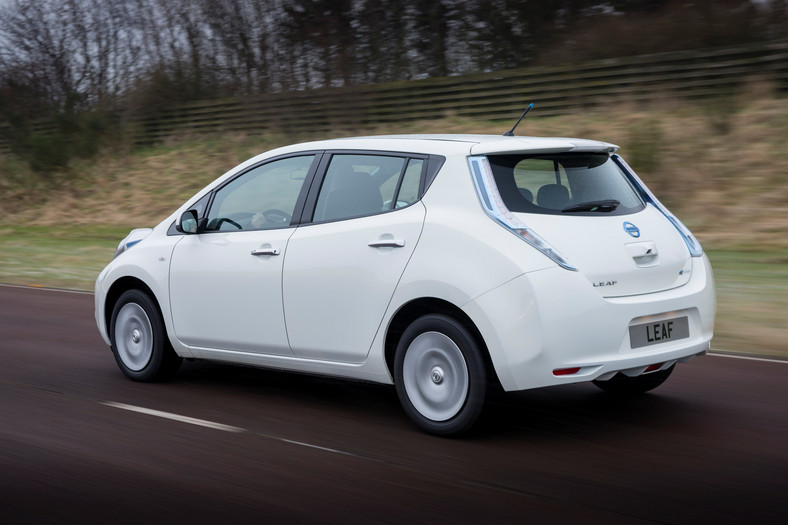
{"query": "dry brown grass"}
pixel 723 168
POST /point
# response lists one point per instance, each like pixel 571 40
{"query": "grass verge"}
pixel 752 301
pixel 57 257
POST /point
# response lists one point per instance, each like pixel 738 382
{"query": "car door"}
pixel 342 269
pixel 225 281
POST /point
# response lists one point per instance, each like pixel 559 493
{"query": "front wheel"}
pixel 139 340
pixel 623 385
pixel 440 375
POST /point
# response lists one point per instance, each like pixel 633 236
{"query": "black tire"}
pixel 139 339
pixel 623 385
pixel 440 375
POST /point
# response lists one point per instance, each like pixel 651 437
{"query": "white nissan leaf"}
pixel 443 264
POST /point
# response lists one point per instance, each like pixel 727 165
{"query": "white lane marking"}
pixel 174 417
pixel 217 426
pixel 750 358
pixel 326 449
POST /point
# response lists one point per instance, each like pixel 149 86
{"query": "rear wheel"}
pixel 139 340
pixel 440 375
pixel 621 384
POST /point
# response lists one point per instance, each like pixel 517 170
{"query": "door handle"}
pixel 265 251
pixel 642 250
pixel 645 254
pixel 387 243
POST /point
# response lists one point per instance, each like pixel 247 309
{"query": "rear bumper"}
pixel 554 320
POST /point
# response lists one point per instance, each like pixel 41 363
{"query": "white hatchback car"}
pixel 444 264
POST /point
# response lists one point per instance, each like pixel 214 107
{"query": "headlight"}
pixel 131 239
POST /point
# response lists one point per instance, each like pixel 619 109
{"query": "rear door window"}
pixel 359 185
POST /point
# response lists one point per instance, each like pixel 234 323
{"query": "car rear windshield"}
pixel 564 184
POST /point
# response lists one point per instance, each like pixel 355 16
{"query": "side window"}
pixel 357 186
pixel 409 189
pixel 200 205
pixel 262 198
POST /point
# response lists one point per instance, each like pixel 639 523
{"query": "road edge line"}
pixel 747 358
pixel 45 288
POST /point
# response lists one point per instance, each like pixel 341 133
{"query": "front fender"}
pixel 147 262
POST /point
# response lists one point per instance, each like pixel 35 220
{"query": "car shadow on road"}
pixel 582 411
pixel 579 410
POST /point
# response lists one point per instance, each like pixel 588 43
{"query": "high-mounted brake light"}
pixel 692 243
pixel 494 207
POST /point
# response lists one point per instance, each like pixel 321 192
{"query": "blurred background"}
pixel 113 112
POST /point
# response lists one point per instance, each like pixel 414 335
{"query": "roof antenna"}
pixel 510 133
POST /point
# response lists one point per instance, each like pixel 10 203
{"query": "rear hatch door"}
pixel 619 255
pixel 585 206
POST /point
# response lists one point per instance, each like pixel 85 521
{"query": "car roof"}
pixel 456 144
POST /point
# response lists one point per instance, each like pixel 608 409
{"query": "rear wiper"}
pixel 603 206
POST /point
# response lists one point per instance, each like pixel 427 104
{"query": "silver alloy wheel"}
pixel 435 376
pixel 134 336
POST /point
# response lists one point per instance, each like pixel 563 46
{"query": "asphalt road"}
pixel 709 446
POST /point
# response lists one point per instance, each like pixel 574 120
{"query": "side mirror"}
pixel 187 222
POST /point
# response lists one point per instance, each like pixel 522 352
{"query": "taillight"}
pixel 494 207
pixel 692 243
pixel 566 371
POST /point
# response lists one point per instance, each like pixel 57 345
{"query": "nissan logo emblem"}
pixel 631 229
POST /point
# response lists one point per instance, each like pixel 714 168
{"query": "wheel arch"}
pixel 416 308
pixel 118 288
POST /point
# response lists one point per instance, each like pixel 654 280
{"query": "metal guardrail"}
pixel 499 95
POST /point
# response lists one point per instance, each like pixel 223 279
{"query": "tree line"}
pixel 76 63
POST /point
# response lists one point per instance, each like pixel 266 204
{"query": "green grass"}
pixel 752 301
pixel 56 257
pixel 752 286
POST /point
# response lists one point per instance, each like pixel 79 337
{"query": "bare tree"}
pixel 242 30
pixel 76 55
pixel 82 52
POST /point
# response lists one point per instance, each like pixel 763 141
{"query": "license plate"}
pixel 658 332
